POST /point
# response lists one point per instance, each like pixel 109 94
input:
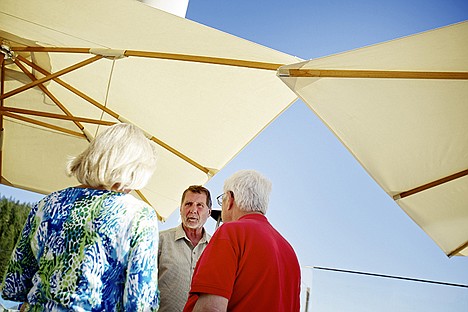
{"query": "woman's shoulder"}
pixel 133 204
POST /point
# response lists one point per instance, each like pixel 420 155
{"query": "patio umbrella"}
pixel 401 109
pixel 70 68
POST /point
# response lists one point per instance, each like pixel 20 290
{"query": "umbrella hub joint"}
pixel 7 52
pixel 112 54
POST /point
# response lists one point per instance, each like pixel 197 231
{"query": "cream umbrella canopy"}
pixel 401 109
pixel 69 68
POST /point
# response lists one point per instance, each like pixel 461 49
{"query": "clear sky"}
pixel 323 201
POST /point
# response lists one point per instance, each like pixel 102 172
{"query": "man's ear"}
pixel 230 200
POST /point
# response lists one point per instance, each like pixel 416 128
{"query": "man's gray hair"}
pixel 250 189
pixel 121 157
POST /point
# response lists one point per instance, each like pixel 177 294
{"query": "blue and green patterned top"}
pixel 84 249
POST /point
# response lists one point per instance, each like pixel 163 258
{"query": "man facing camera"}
pixel 180 248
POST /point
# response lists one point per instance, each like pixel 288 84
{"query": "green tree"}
pixel 13 215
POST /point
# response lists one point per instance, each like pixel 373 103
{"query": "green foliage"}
pixel 13 215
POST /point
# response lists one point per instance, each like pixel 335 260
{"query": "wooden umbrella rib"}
pixel 431 185
pixel 325 73
pixel 48 93
pixel 143 198
pixel 179 154
pixel 113 114
pixel 56 116
pixel 6 182
pixel 71 88
pixel 50 49
pixel 458 249
pixel 43 124
pixel 52 76
pixel 204 59
pixel 100 106
pixel 162 55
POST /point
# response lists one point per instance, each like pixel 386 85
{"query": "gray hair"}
pixel 121 157
pixel 251 190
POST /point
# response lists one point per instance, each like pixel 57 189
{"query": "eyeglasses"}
pixel 219 199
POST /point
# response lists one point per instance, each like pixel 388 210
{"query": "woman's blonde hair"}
pixel 120 158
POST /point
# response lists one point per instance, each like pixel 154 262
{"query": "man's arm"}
pixel 210 303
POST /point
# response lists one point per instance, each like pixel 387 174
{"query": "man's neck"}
pixel 240 213
pixel 194 235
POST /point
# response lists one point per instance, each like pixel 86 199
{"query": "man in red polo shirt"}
pixel 248 265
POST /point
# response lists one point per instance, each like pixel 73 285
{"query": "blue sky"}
pixel 323 201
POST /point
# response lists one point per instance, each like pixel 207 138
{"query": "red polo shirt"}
pixel 248 262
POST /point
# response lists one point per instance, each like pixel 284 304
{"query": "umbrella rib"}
pixel 50 77
pixel 147 201
pixel 162 55
pixel 54 77
pixel 43 124
pixel 71 88
pixel 48 93
pixel 50 49
pixel 6 182
pixel 431 185
pixel 204 59
pixel 325 73
pixel 115 115
pixel 458 249
pixel 180 155
pixel 56 116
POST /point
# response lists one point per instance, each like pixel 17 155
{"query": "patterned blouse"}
pixel 84 249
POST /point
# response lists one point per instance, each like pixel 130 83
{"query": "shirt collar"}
pixel 180 233
pixel 257 216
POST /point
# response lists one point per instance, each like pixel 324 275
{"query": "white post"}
pixel 176 7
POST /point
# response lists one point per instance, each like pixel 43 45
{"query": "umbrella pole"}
pixel 2 85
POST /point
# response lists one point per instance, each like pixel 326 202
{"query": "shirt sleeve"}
pixel 23 264
pixel 217 268
pixel 141 286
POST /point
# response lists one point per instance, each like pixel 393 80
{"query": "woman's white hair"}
pixel 120 158
pixel 250 189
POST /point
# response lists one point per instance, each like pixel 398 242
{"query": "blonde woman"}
pixel 92 247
